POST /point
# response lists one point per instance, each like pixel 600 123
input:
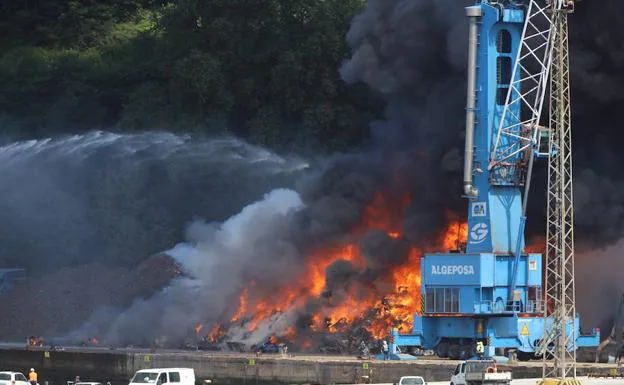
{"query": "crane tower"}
pixel 559 282
pixel 493 291
pixel 543 56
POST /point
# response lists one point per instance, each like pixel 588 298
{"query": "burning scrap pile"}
pixel 341 298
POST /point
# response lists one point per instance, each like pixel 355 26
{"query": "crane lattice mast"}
pixel 543 59
pixel 559 342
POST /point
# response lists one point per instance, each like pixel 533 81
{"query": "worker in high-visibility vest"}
pixel 32 376
pixel 480 349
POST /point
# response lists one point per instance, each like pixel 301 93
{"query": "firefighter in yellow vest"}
pixel 480 349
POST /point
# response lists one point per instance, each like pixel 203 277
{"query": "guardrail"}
pixel 498 307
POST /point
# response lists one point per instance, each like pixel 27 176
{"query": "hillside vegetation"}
pixel 266 70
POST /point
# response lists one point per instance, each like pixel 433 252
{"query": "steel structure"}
pixel 559 279
pixel 492 291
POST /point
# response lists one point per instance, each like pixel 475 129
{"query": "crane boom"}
pixel 518 128
pixel 519 135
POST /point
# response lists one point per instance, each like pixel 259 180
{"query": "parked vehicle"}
pixel 13 378
pixel 172 376
pixel 267 347
pixel 411 380
pixel 477 372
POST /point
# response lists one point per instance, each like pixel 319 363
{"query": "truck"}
pixel 159 376
pixel 473 372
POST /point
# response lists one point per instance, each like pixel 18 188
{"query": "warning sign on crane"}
pixel 525 330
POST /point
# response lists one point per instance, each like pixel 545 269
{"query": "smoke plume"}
pixel 414 154
pixel 413 53
pixel 117 199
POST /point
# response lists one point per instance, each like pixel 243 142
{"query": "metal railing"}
pixel 498 307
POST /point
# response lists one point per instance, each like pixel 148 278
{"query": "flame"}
pixel 383 215
pixel 396 310
pixel 537 244
pixel 322 260
pixel 216 333
pixel 456 233
pixel 388 301
pixel 289 333
pixel 198 328
pixel 242 307
pixel 94 341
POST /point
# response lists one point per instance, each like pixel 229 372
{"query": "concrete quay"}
pixel 118 366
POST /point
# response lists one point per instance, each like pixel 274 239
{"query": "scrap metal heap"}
pixel 66 298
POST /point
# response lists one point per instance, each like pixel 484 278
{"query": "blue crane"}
pixel 492 291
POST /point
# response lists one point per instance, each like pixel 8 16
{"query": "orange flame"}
pixel 456 233
pixel 289 333
pixel 389 302
pixel 382 214
pixel 536 245
pixel 242 307
pixel 216 333
pixel 198 328
pixel 321 261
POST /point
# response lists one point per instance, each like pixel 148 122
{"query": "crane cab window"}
pixel 442 300
pixel 503 41
pixel 501 96
pixel 503 70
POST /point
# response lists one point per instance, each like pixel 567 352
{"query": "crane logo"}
pixel 478 232
pixel 479 209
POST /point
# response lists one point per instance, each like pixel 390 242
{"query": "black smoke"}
pixel 597 69
pixel 413 53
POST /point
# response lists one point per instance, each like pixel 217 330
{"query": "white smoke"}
pixel 103 196
pixel 218 261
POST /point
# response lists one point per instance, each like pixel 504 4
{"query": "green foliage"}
pixel 266 69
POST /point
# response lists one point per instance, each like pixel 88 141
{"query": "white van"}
pixel 13 378
pixel 169 376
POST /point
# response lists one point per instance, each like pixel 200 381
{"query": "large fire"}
pixel 389 302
